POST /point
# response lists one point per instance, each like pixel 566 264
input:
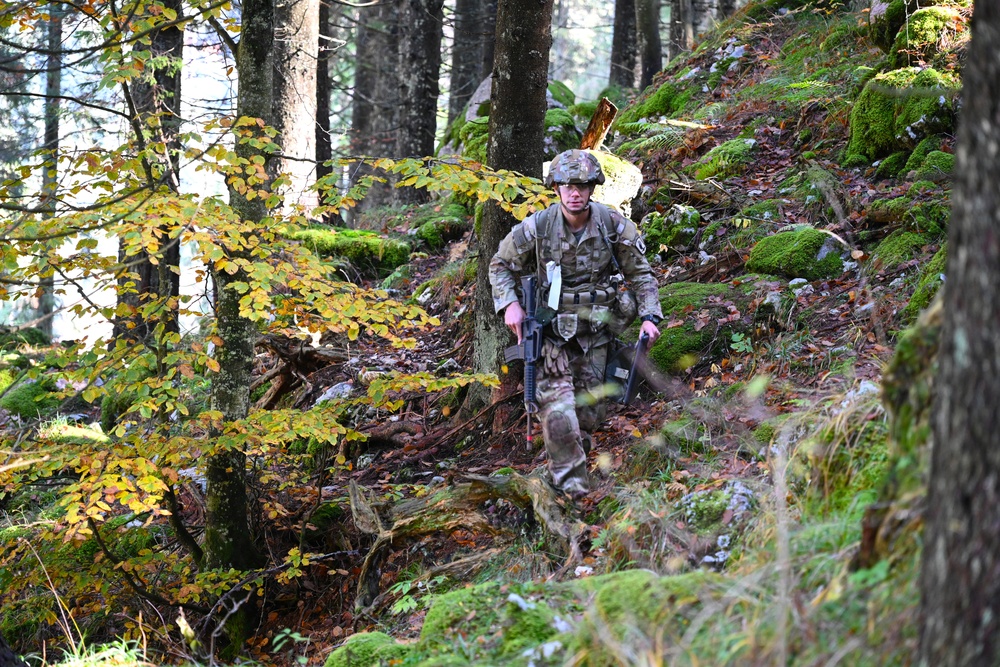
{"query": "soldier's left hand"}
pixel 650 328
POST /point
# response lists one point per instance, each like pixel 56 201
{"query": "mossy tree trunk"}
pixel 228 543
pixel 624 46
pixel 960 579
pixel 517 125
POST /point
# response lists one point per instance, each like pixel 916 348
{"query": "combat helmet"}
pixel 574 166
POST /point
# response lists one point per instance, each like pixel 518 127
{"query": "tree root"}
pixel 458 507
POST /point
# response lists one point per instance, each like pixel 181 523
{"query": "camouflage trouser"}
pixel 570 410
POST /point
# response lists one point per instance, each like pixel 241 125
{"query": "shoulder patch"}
pixel 524 233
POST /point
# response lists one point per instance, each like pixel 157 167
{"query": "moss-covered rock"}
pixel 31 399
pixel 931 279
pixel 367 251
pixel 561 133
pixel 898 247
pixel 474 137
pixel 922 150
pixel 925 30
pixel 673 230
pixel 725 159
pixel 803 253
pixel 62 432
pixel 681 346
pixel 936 167
pixel 459 613
pixel 562 94
pixel 367 649
pixel 897 110
pixel 438 223
pixel 891 166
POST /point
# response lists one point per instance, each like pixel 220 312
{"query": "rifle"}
pixel 529 349
pixel 617 372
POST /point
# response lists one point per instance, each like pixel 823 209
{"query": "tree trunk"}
pixel 706 13
pixel 228 542
pixel 50 175
pixel 488 36
pixel 624 54
pixel 727 8
pixel 296 50
pixel 374 116
pixel 419 67
pixel 647 21
pixel 517 124
pixel 681 26
pixel 157 93
pixel 960 579
pixel 466 55
pixel 324 144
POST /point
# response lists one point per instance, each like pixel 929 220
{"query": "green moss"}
pixel 919 41
pixel 31 399
pixel 561 93
pixel 29 336
pixel 680 347
pixel 464 612
pixel 930 217
pixel 898 247
pixel 898 109
pixel 893 209
pixel 437 224
pixel 931 279
pixel 804 253
pixel 769 209
pixel 7 377
pixel 360 650
pixel 884 25
pixel 892 165
pixel 474 137
pixel 684 434
pixel 725 159
pixel 367 251
pixel 920 187
pixel 583 111
pixel 61 432
pixel 674 229
pixel 560 133
pixel 937 166
pixel 702 510
pixel 666 100
pixel 919 154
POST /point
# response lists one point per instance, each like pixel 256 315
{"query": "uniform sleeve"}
pixel 516 251
pixel 630 251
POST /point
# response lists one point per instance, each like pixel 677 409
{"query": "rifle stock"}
pixel 632 384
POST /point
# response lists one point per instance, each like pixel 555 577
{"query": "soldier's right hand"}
pixel 513 317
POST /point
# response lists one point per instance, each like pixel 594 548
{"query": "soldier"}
pixel 582 250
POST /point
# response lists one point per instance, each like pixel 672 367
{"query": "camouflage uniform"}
pixel 590 312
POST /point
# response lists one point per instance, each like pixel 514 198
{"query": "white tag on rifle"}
pixel 553 272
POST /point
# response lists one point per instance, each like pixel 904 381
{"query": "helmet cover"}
pixel 574 166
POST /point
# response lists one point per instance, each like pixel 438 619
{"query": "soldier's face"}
pixel 575 197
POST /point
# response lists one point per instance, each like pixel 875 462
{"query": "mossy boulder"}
pixel 936 167
pixel 898 109
pixel 368 252
pixel 924 148
pixel 691 331
pixel 438 223
pixel 65 433
pixel 561 133
pixel 802 253
pixel 898 247
pixel 474 137
pixel 674 229
pixel 925 30
pixel 31 399
pixel 367 649
pixel 726 159
pixel 931 279
pixel 891 166
pixel 561 93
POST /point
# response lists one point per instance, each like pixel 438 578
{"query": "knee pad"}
pixel 560 427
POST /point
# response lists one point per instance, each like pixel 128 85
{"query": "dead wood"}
pixel 301 356
pixel 599 125
pixel 703 194
pixel 451 508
